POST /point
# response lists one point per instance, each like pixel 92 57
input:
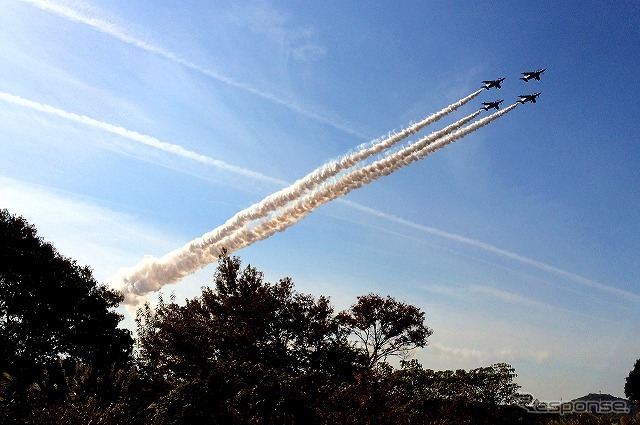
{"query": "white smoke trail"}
pixel 354 180
pixel 111 29
pixel 137 137
pixel 322 174
pixel 151 273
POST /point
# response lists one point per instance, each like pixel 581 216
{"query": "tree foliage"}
pixel 53 316
pixel 414 395
pixel 632 384
pixel 493 385
pixel 51 308
pixel 385 327
pixel 263 349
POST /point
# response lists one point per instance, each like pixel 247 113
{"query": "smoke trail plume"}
pixel 354 180
pixel 151 274
pixel 322 174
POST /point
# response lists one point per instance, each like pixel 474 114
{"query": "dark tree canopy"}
pixel 493 385
pixel 246 352
pixel 262 351
pixel 51 308
pixel 385 327
pixel 632 385
pixel 414 395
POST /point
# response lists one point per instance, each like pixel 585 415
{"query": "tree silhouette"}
pixel 52 311
pixel 385 327
pixel 632 385
pixel 260 351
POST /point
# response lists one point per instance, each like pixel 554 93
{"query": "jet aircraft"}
pixel 493 83
pixel 528 98
pixel 532 75
pixel 494 105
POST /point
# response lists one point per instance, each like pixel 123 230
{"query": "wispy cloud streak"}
pixel 498 251
pixel 138 137
pixel 111 29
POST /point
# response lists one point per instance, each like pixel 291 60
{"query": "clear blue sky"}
pixel 520 242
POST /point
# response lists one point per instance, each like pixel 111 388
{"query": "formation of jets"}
pixel 488 84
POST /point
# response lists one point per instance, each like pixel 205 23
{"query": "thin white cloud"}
pixel 83 13
pixel 478 356
pixel 500 252
pixel 446 290
pixel 263 20
pixel 458 353
pixel 82 229
pixel 509 354
pixel 139 138
pixel 471 292
pixel 507 296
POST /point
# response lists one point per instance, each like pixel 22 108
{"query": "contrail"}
pixel 151 274
pixel 137 137
pixel 354 180
pixel 112 30
pixel 324 173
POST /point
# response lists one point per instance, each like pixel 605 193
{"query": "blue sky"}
pixel 519 242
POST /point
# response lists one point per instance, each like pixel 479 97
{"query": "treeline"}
pixel 243 352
